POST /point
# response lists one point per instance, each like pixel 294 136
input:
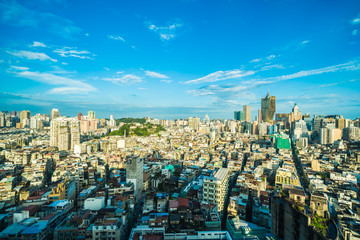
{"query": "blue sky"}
pixel 179 58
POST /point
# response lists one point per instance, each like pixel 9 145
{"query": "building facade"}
pixel 268 108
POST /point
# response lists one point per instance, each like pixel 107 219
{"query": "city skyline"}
pixel 179 59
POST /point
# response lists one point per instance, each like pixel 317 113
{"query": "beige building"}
pixel 215 187
pixel 247 111
pixel 64 133
pixel 55 113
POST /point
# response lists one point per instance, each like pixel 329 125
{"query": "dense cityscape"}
pixel 179 120
pixel 282 176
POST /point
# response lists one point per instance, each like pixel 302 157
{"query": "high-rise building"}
pixel 259 116
pixel 268 108
pixel 24 115
pixel 112 122
pixel 55 113
pixel 64 133
pixel 194 122
pixel 79 116
pixel 215 187
pixel 91 114
pixel 37 122
pixel 2 119
pixel 247 113
pixel 239 115
pixel 134 173
pixel 329 135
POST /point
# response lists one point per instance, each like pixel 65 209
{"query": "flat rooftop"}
pixel 221 173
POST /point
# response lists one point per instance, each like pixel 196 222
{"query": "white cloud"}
pixel 107 69
pixel 268 67
pixel 305 42
pixel 166 32
pixel 355 32
pixel 270 57
pixel 356 20
pixel 348 66
pixel 166 81
pixel 127 79
pixel 31 55
pixel 116 38
pixel 155 74
pixel 38 44
pixel 256 60
pixel 221 75
pixel 69 90
pixel 20 68
pixel 69 86
pixel 73 52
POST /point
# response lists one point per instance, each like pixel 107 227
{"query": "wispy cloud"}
pixel 127 79
pixel 15 14
pixel 73 52
pixel 348 66
pixel 221 76
pixel 166 81
pixel 31 55
pixel 293 46
pixel 38 44
pixel 167 32
pixel 116 38
pixel 256 60
pixel 268 67
pixel 355 32
pixel 20 68
pixel 268 58
pixel 68 85
pixel 356 20
pixel 155 74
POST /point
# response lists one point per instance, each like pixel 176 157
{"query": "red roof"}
pixel 183 202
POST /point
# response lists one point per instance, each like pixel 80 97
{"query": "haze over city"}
pixel 174 59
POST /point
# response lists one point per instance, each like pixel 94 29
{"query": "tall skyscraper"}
pixel 64 133
pixel 247 112
pixel 91 114
pixel 24 115
pixel 55 113
pixel 134 173
pixel 239 115
pixel 259 116
pixel 268 108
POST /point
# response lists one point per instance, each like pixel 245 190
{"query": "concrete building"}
pixel 55 113
pixel 268 108
pixel 91 114
pixel 24 115
pixel 247 112
pixel 64 133
pixel 215 187
pixel 134 173
pixel 94 204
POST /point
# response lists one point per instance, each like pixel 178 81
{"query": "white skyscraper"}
pixel 55 113
pixel 112 122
